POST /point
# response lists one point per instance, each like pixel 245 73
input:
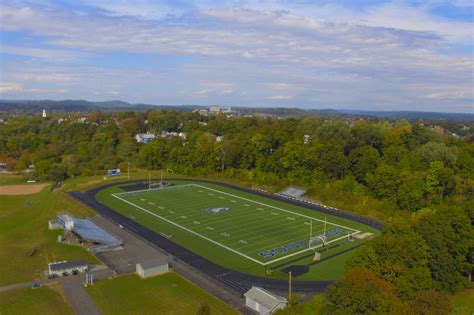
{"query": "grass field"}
pixel 44 300
pixel 26 244
pixel 463 302
pixel 249 233
pixel 165 294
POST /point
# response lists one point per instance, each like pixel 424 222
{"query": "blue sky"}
pixel 380 55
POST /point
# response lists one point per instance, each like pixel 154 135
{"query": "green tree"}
pixel 437 151
pixel 439 182
pixel 399 256
pixel 431 303
pixel 450 236
pixel 57 172
pixel 384 182
pixel 363 161
pixel 410 193
pixel 332 162
pixel 361 291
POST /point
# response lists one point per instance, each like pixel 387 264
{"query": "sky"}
pixel 341 54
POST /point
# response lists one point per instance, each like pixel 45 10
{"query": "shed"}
pixel 263 302
pixel 152 268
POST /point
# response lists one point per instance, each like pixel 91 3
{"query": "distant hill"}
pixel 410 114
pixel 34 106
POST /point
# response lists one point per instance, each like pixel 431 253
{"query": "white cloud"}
pixel 7 88
pixel 281 97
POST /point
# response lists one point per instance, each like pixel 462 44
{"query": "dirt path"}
pixel 13 190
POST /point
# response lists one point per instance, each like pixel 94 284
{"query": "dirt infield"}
pixel 13 190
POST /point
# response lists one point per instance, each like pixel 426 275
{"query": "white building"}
pixel 44 113
pixel 214 109
pixel 144 137
pixel 151 268
pixel 61 268
pixel 263 302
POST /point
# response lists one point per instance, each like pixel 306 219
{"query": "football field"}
pixel 260 232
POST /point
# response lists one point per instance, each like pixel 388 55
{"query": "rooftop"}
pixel 264 297
pixel 91 232
pixel 58 266
pixel 153 263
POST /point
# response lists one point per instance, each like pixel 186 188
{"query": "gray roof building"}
pixel 262 301
pixel 152 268
pixel 58 268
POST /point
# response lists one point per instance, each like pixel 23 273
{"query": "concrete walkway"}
pixel 77 295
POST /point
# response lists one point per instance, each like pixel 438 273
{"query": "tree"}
pixel 450 237
pixel 439 182
pixel 431 303
pixel 361 291
pixel 332 162
pixel 384 182
pixel 363 161
pixel 57 172
pixel 411 191
pixel 399 256
pixel 437 151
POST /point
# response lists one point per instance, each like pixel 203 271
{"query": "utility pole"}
pixel 289 285
pixel 128 170
pixel 149 180
pixel 223 159
pixel 161 183
pixel 310 233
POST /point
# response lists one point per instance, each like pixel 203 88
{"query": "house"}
pixel 167 134
pixel 151 268
pixel 144 137
pixel 263 302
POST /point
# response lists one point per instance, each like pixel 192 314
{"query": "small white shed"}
pixel 263 302
pixel 152 268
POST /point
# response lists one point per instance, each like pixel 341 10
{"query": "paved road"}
pixel 77 295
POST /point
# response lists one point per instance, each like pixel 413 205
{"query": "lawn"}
pixel 164 294
pixel 26 244
pixel 44 300
pixel 463 302
pixel 254 227
pixel 12 179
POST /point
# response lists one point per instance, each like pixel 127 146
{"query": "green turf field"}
pixel 271 239
pixel 258 231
